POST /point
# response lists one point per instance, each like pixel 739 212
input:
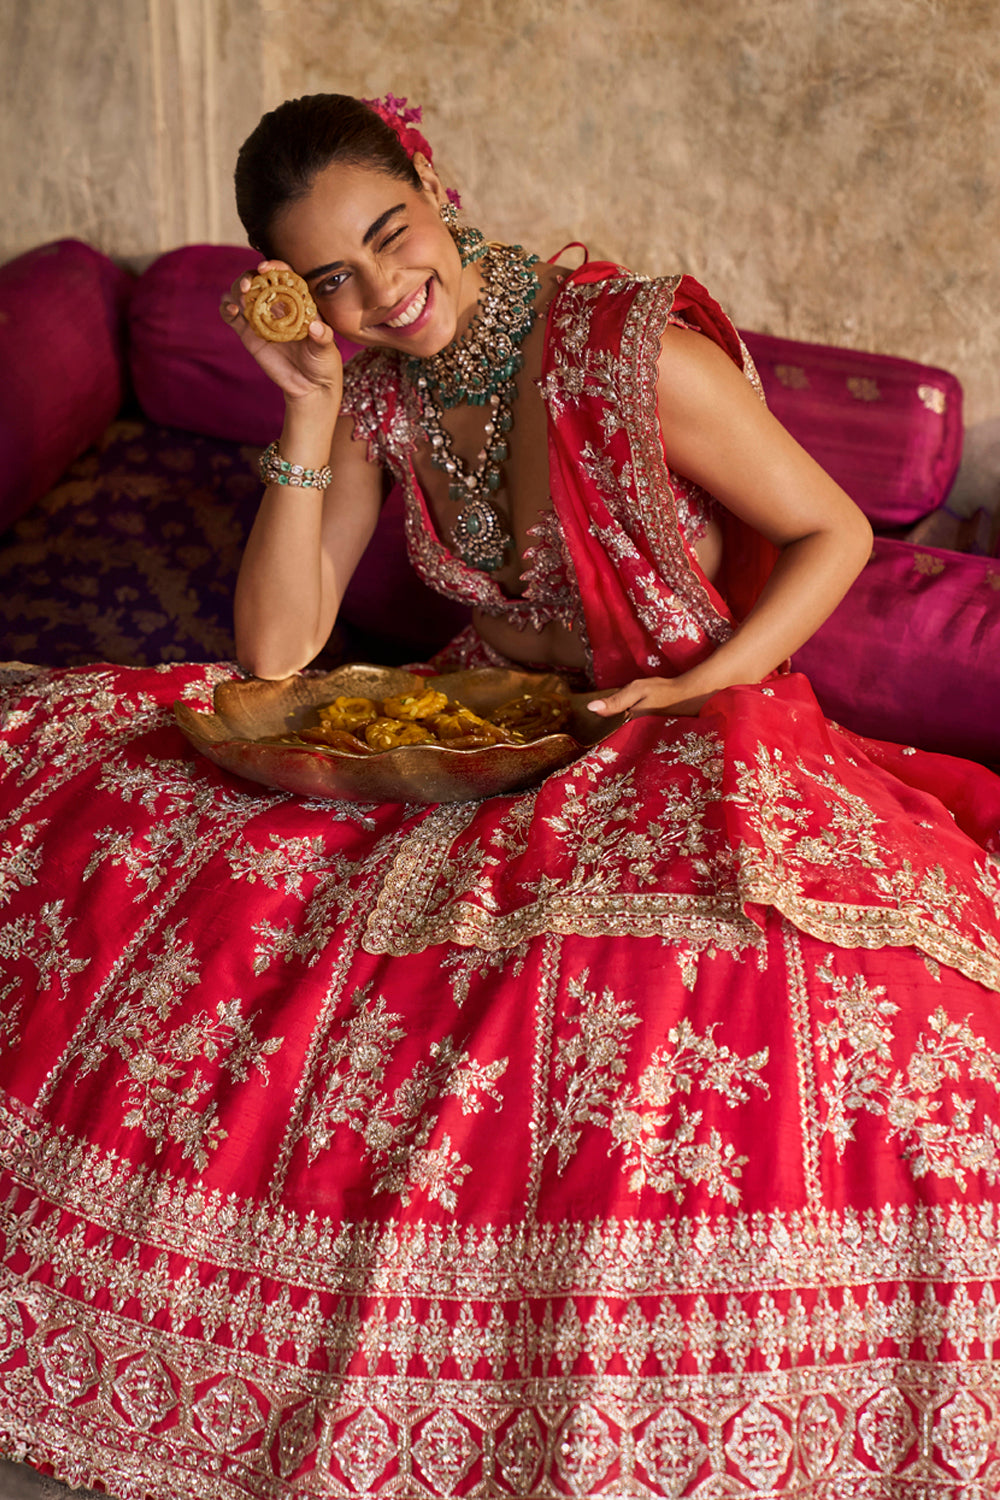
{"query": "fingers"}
pixel 618 702
pixel 320 333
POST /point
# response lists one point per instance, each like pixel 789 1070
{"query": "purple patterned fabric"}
pixel 132 558
pixel 888 430
pixel 912 654
pixel 62 357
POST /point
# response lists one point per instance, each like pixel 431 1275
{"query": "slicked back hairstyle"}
pixel 281 158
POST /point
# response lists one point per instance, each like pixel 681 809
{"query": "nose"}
pixel 380 288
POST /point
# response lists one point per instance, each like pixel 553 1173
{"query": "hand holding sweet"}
pixel 305 366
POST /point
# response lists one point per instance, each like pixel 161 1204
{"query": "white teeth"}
pixel 412 313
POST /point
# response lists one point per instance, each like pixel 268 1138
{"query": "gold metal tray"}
pixel 236 737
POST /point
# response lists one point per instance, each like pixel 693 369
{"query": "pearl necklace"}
pixel 480 368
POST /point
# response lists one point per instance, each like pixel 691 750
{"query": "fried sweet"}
pixel 278 306
pixel 349 713
pixel 532 715
pixel 415 705
pixel 361 726
pixel 386 734
pixel 335 739
pixel 480 741
pixel 459 722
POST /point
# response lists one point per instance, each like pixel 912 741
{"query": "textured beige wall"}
pixel 828 167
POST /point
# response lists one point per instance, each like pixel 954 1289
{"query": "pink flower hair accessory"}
pixel 402 121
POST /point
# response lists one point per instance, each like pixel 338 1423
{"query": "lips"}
pixel 411 309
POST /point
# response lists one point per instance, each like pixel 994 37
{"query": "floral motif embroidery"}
pixel 41 941
pixel 20 859
pixel 397 1129
pixel 924 1104
pixel 660 1137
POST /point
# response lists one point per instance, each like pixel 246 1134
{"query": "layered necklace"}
pixel 480 368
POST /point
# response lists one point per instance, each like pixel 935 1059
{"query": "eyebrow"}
pixel 369 235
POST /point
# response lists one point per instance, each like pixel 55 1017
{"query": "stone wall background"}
pixel 827 167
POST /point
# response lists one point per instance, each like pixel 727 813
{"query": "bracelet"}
pixel 276 470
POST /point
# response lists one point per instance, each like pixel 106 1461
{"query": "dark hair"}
pixel 280 159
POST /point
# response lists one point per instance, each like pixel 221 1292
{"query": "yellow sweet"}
pixel 349 713
pixel 386 734
pixel 415 705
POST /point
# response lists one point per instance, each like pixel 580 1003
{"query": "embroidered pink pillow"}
pixel 62 362
pixel 911 653
pixel 888 430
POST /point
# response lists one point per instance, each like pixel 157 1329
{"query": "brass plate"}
pixel 236 737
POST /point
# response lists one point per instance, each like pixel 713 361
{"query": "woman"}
pixel 635 1134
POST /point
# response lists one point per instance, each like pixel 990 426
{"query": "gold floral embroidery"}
pixel 662 1145
pixel 771 791
pixel 167 1094
pixel 462 965
pixel 673 875
pixel 396 1130
pixel 934 398
pixel 924 1103
pixel 166 1101
pixel 863 388
pixel 41 941
pixel 792 376
pixel 20 859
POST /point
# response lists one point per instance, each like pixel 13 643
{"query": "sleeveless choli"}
pixel 635 1134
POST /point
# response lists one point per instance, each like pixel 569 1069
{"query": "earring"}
pixel 449 214
pixel 471 242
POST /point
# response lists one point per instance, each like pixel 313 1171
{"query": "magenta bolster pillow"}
pixel 912 654
pixel 888 430
pixel 62 364
pixel 189 369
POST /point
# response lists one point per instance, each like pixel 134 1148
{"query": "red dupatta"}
pixel 649 608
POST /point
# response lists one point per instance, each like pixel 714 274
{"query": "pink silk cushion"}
pixel 188 368
pixel 62 362
pixel 912 654
pixel 888 430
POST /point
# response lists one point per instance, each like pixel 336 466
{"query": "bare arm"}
pixel 303 548
pixel 305 543
pixel 717 432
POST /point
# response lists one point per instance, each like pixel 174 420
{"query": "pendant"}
pixel 480 537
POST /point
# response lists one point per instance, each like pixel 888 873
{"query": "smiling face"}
pixel 381 265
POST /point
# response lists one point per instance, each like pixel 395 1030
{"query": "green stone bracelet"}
pixel 276 470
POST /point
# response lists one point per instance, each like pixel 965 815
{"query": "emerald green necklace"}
pixel 480 368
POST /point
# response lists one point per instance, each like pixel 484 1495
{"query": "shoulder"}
pixel 688 359
pixel 603 305
pixel 602 284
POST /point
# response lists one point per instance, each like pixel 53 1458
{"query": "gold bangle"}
pixel 277 470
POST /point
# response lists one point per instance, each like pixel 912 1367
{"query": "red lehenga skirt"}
pixel 636 1135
